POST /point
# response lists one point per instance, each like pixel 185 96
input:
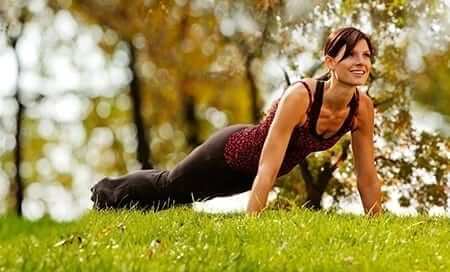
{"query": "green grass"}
pixel 184 240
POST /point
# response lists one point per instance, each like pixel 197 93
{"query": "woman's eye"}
pixel 365 54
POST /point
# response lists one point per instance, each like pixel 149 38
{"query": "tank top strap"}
pixel 354 109
pixel 356 102
pixel 317 102
pixel 310 96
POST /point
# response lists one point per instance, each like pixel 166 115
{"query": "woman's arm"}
pixel 369 186
pixel 290 112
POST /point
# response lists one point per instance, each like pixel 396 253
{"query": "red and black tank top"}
pixel 243 147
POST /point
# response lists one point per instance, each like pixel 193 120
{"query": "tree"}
pixel 143 151
pixel 330 172
pixel 431 84
pixel 391 92
pixel 42 137
pixel 15 18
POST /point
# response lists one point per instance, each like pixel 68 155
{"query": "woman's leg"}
pixel 142 189
pixel 203 174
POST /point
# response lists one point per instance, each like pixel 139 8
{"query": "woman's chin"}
pixel 361 82
pixel 356 82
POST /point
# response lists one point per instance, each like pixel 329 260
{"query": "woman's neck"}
pixel 337 94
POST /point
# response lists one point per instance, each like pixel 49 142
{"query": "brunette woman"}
pixel 310 116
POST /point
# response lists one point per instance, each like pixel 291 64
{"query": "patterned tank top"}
pixel 243 147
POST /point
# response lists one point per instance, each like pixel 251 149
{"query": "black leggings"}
pixel 201 175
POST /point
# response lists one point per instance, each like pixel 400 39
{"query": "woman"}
pixel 312 115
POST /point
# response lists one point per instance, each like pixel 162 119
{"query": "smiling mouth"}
pixel 358 72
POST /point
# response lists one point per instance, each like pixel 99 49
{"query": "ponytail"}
pixel 325 76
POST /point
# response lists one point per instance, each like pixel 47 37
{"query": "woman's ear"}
pixel 330 62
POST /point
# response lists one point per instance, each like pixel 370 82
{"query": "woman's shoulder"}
pixel 296 100
pixel 301 89
pixel 365 102
pixel 311 82
pixel 364 111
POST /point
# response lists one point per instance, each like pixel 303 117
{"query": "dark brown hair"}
pixel 348 37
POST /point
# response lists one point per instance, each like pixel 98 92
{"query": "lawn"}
pixel 183 240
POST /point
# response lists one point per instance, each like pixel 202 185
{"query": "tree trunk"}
pixel 18 187
pixel 188 100
pixel 313 191
pixel 143 148
pixel 254 99
pixel 191 120
pixel 18 155
pixel 315 187
pixel 314 197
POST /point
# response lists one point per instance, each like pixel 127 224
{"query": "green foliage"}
pixel 432 85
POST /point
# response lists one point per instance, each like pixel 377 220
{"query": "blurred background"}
pixel 94 88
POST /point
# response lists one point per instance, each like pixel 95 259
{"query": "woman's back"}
pixel 243 148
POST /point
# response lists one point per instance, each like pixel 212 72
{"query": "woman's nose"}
pixel 361 59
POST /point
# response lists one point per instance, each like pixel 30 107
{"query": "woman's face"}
pixel 353 70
